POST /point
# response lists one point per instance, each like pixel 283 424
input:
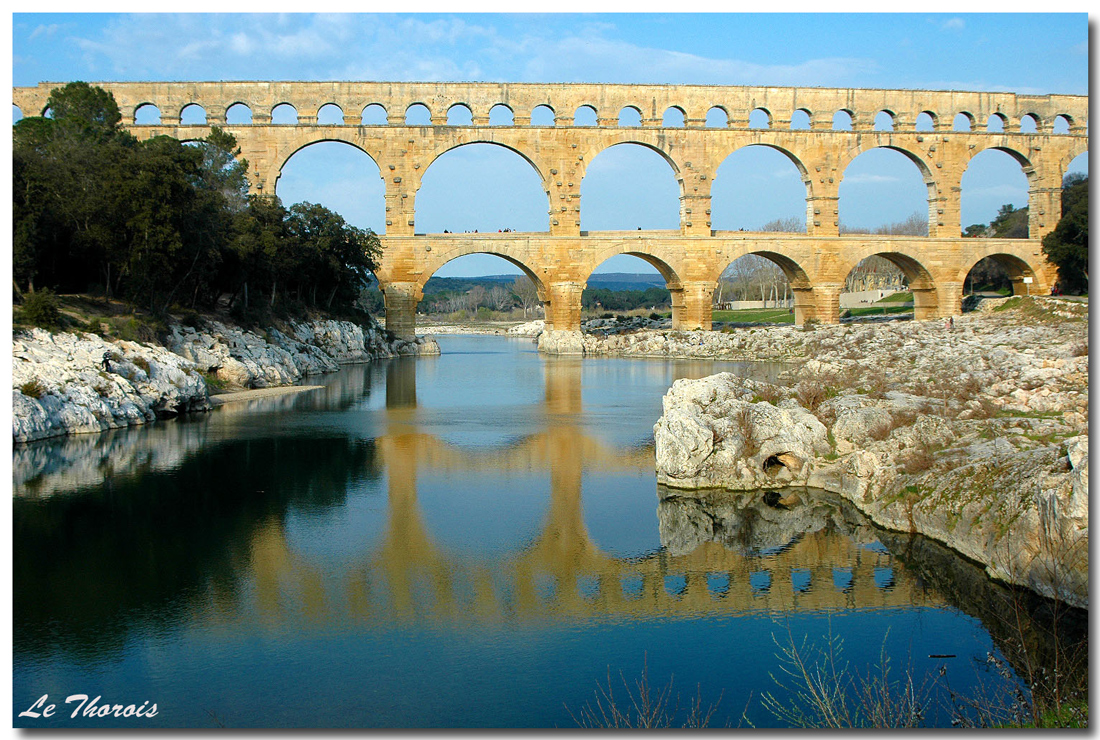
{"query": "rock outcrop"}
pixel 61 386
pixel 975 436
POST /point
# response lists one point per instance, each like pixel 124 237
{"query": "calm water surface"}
pixel 470 540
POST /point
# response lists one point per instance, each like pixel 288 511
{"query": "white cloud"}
pixel 868 179
pixel 45 30
pixel 953 24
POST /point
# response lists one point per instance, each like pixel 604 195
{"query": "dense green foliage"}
pixel 162 223
pixel 624 300
pixel 1068 245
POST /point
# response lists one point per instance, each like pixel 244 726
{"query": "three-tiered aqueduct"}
pixel 691 259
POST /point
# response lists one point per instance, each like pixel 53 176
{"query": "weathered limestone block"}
pixel 561 342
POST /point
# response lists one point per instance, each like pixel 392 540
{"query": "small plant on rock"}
pixel 33 388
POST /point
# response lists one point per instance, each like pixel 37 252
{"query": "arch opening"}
pixel 760 118
pixel 418 114
pixel 630 117
pixel 963 122
pixel 994 197
pixel 16 114
pixel 147 114
pixel 888 284
pixel 585 115
pixel 759 188
pixel 674 118
pixel 925 122
pixel 630 284
pixel 330 114
pixel 238 114
pixel 800 120
pixel 482 284
pixel 885 191
pixel 630 186
pixel 1061 125
pixel 842 120
pixel 757 287
pixel 481 187
pixel 1000 275
pixel 374 115
pixel 193 114
pixel 717 118
pixel 284 114
pixel 884 121
pixel 996 124
pixel 1029 124
pixel 543 115
pixel 501 115
pixel 460 114
pixel 339 176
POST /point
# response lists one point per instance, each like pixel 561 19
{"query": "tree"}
pixel 526 292
pixel 1067 247
pixel 500 297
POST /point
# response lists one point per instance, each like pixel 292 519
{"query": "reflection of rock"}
pixel 744 522
pixel 712 434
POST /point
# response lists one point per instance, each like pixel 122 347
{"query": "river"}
pixel 469 540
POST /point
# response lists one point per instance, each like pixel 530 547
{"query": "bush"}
pixel 142 363
pixel 655 316
pixel 42 309
pixel 33 388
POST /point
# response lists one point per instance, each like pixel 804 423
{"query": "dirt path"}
pixel 223 398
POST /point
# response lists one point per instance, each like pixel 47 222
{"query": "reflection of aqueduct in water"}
pixel 691 259
pixel 407 577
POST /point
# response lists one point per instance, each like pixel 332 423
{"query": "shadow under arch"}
pixel 1017 268
pixel 920 279
pixel 922 167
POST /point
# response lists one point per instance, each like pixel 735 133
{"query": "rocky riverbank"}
pixel 976 437
pixel 69 383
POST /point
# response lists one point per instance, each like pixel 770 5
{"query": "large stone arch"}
pixel 516 255
pixel 670 268
pixel 485 136
pixel 922 281
pixel 916 158
pixel 632 136
pixel 308 139
pixel 721 156
pixel 1018 262
pixel 790 260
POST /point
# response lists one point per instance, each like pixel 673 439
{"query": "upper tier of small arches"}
pixel 607 106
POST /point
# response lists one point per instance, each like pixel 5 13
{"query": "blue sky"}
pixel 626 187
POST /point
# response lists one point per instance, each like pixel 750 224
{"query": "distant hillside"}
pixel 615 281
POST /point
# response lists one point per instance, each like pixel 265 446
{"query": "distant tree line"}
pixel 161 223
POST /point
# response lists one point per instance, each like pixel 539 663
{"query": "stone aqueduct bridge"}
pixel 691 259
